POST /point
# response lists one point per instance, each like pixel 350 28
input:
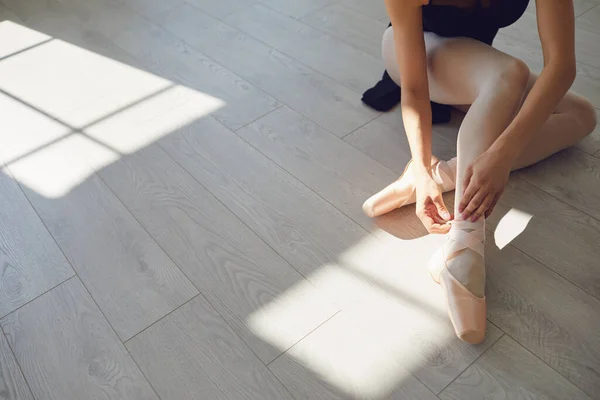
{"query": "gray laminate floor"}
pixel 180 215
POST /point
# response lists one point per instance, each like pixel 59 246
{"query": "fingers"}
pixel 490 209
pixel 470 191
pixel 485 205
pixel 430 223
pixel 473 205
pixel 441 209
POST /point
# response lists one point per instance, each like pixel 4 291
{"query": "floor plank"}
pixel 67 350
pixel 321 51
pixel 333 106
pixel 151 8
pixel 12 382
pixel 350 26
pixel 130 277
pixel 333 169
pixel 167 56
pixel 297 223
pixel 334 361
pixel 7 14
pixel 236 271
pixel 579 6
pixel 551 230
pixel 296 9
pixel 375 10
pixel 508 371
pixel 586 43
pixel 220 9
pixel 546 314
pixel 194 354
pixel 589 20
pixel 572 176
pixel 30 261
pixel 384 140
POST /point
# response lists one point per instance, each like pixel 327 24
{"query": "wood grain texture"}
pixel 337 362
pixel 508 371
pixel 131 278
pixel 296 9
pixel 67 349
pixel 579 6
pixel 572 176
pixel 319 98
pixel 169 57
pixel 589 20
pixel 12 382
pixel 372 9
pixel 586 43
pixel 30 261
pixel 151 8
pixel 237 272
pixel 546 314
pixel 194 354
pixel 385 141
pixel 220 9
pixel 297 223
pixel 554 231
pixel 336 171
pixel 321 51
pixel 349 25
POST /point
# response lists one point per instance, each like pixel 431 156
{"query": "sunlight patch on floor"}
pixel 15 38
pixel 510 226
pixel 68 112
pixel 391 315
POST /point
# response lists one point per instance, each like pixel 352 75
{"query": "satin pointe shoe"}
pixel 463 254
pixel 402 191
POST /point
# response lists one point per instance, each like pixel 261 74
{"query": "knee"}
pixel 585 113
pixel 515 74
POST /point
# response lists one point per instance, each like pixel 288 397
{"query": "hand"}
pixel 430 205
pixel 484 184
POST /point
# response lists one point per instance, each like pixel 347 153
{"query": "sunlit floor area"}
pixel 181 185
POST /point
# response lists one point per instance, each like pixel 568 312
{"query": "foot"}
pixel 402 192
pixel 459 268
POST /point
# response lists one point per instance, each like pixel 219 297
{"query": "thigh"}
pixel 457 68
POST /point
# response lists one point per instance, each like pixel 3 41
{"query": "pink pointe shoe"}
pixel 467 311
pixel 402 191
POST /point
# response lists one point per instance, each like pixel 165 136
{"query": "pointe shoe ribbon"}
pixel 467 312
pixel 402 191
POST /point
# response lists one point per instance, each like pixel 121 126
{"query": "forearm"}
pixel 550 87
pixel 416 114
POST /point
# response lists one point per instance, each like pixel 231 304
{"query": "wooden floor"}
pixel 180 215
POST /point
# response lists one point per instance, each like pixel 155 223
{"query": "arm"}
pixel 557 34
pixel 410 50
pixel 406 17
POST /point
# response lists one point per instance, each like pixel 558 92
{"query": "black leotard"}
pixel 476 19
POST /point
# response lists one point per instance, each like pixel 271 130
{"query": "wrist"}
pixel 505 150
pixel 421 169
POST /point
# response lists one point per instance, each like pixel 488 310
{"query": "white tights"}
pixel 492 84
